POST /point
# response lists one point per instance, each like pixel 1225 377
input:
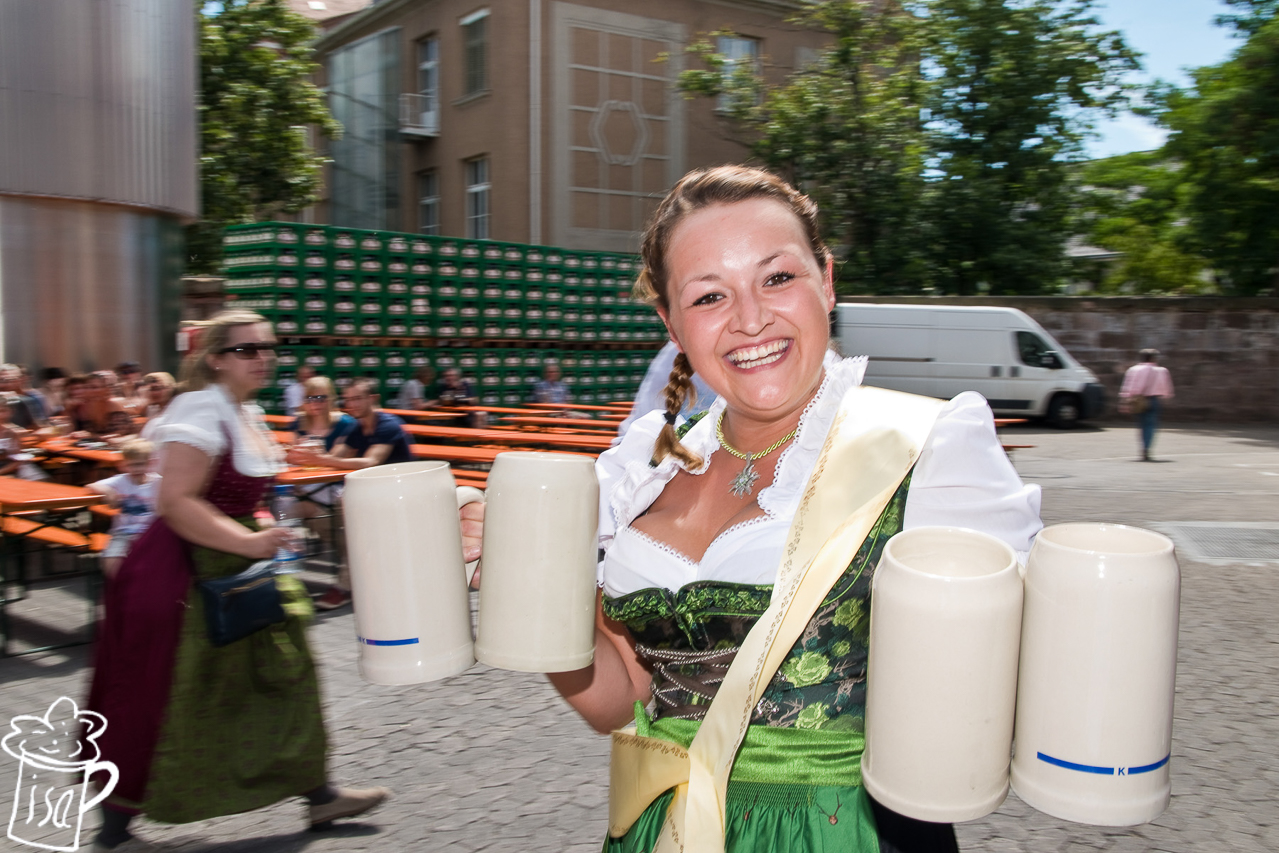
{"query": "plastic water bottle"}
pixel 288 558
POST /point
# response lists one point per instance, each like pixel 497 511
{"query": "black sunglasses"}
pixel 249 351
pixel 316 398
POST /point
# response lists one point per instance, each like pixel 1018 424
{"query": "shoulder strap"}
pixel 872 445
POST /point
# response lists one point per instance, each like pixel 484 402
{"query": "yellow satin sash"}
pixel 875 439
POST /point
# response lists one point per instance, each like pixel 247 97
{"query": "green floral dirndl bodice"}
pixel 790 790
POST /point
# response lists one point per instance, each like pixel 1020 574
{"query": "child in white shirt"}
pixel 132 491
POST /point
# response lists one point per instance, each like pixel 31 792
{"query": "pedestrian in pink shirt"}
pixel 1145 386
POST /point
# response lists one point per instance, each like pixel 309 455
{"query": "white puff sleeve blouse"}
pixel 963 478
pixel 205 420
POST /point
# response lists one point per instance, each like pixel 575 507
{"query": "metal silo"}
pixel 97 176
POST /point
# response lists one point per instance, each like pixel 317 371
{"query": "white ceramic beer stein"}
pixel 1098 666
pixel 537 589
pixel 408 582
pixel 941 682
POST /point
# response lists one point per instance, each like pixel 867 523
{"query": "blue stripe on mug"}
pixel 411 641
pixel 1103 771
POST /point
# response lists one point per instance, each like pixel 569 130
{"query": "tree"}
pixel 256 101
pixel 847 130
pixel 937 135
pixel 1015 89
pixel 1131 204
pixel 1225 132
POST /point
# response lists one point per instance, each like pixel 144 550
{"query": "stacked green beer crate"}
pixel 355 303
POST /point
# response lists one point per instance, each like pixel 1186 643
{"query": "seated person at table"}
pixel 378 438
pixel 453 390
pixel 413 392
pixel 14 461
pixel 550 389
pixel 133 492
pixel 24 410
pixel 53 389
pixel 158 389
pixel 296 389
pixel 92 415
pixel 320 423
pixel 129 387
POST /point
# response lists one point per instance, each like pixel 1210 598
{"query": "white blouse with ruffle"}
pixel 963 479
pixel 204 419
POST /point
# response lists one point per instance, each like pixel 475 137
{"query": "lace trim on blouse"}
pixel 642 483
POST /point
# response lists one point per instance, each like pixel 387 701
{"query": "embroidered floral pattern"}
pixel 822 683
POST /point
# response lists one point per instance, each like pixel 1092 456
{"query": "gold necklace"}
pixel 742 484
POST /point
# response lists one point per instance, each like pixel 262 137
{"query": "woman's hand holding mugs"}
pixel 472 517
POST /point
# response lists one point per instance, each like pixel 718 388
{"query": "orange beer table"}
pixel 608 427
pixel 102 456
pixel 499 436
pixel 20 500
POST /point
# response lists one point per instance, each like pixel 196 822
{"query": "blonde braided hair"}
pixel 678 392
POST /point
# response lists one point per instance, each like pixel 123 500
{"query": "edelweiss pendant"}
pixel 742 484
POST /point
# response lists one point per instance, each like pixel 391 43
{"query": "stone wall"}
pixel 1223 353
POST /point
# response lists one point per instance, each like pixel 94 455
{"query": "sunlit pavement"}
pixel 493 760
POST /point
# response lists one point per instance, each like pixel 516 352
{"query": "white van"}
pixel 943 350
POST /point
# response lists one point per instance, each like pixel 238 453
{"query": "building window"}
pixel 428 82
pixel 364 89
pixel 428 204
pixel 477 199
pixel 475 52
pixel 740 53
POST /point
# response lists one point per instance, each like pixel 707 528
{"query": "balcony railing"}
pixel 419 114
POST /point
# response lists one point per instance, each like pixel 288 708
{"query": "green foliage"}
pixel 847 130
pixel 936 135
pixel 256 101
pixel 1252 15
pixel 1131 204
pixel 1225 133
pixel 1015 90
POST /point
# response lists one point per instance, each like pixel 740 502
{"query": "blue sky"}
pixel 1172 35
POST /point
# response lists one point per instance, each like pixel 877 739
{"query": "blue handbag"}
pixel 239 605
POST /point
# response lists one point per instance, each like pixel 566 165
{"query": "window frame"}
pixel 479 198
pixel 722 102
pixel 428 198
pixel 429 68
pixel 475 39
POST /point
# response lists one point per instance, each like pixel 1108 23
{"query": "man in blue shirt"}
pixel 377 439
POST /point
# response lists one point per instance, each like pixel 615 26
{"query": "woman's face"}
pixel 157 393
pixel 748 305
pixel 244 375
pixel 316 404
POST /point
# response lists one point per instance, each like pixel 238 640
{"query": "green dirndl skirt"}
pixel 243 727
pixel 791 791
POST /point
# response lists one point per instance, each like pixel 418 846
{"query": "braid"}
pixel 678 391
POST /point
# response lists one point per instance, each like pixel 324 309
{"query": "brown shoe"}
pixel 348 803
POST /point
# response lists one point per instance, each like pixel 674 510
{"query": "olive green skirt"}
pixel 243 727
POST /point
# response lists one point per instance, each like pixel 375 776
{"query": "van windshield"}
pixel 1031 348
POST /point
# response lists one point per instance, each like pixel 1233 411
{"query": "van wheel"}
pixel 1063 411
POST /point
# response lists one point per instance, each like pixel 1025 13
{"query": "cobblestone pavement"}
pixel 492 760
